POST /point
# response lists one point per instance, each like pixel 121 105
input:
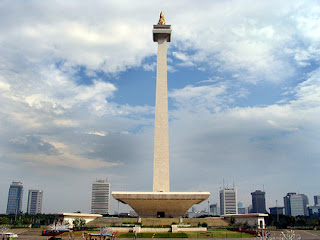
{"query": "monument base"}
pixel 161 204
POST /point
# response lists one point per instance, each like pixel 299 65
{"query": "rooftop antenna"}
pixel 223 182
pixel 263 187
pixel 233 184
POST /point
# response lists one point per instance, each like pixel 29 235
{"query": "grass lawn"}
pixel 218 233
pixel 156 235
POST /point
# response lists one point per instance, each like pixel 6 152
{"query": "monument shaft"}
pixel 161 202
pixel 161 179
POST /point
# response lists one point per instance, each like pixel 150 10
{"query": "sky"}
pixel 77 96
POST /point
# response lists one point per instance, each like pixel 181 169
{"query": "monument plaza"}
pixel 161 202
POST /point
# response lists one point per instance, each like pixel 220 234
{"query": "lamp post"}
pixel 277 211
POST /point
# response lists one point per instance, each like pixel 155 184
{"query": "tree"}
pixel 78 223
pixel 291 220
pixel 302 221
pixel 17 222
pixel 246 225
pixel 204 224
pixel 26 221
pixel 4 220
pixel 232 220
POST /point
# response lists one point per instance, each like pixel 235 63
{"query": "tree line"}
pixel 284 221
pixel 27 219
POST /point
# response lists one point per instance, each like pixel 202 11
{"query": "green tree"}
pixel 302 221
pixel 4 220
pixel 291 220
pixel 204 224
pixel 78 223
pixel 246 225
pixel 17 222
pixel 232 220
pixel 26 221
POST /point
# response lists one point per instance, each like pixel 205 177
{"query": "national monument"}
pixel 161 202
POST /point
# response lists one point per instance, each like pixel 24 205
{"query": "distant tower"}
pixel 100 202
pixel 258 202
pixel 214 209
pixel 316 200
pixel 241 209
pixel 296 204
pixel 15 196
pixel 228 201
pixel 35 201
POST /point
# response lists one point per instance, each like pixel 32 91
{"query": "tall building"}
pixel 305 204
pixel 34 201
pixel 314 211
pixel 258 201
pixel 241 209
pixel 100 201
pixel 214 209
pixel 276 210
pixel 296 204
pixel 228 201
pixel 15 198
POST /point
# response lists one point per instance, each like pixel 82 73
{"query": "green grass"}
pixel 157 235
pixel 217 233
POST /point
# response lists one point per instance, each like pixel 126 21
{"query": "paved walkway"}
pixel 304 234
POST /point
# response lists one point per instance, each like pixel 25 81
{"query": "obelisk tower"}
pixel 161 178
pixel 161 202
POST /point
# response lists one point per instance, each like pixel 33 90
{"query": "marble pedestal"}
pixel 161 204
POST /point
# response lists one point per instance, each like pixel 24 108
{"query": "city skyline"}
pixel 100 200
pixel 77 84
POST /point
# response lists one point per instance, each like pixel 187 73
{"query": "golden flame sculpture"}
pixel 161 20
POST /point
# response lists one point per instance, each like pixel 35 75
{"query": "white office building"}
pixel 228 201
pixel 100 201
pixel 35 201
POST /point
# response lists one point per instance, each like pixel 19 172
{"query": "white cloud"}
pixel 150 67
pixel 78 131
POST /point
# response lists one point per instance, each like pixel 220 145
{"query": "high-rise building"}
pixel 35 201
pixel 15 198
pixel 316 200
pixel 228 201
pixel 276 210
pixel 305 204
pixel 100 201
pixel 296 204
pixel 258 202
pixel 241 209
pixel 214 209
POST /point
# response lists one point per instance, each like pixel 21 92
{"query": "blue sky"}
pixel 77 92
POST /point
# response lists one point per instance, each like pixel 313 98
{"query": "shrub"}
pixel 204 224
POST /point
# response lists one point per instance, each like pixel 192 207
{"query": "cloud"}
pixel 65 65
pixel 268 143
